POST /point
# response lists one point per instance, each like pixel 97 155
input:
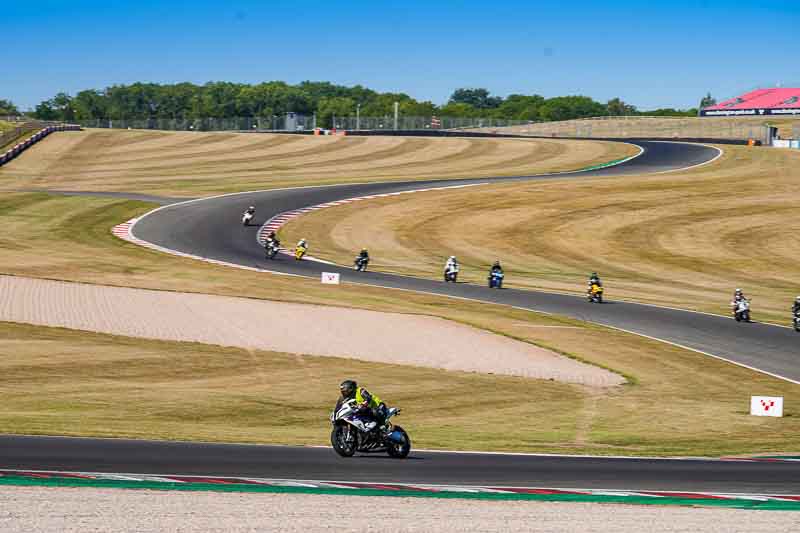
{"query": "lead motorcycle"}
pixel 796 320
pixel 354 430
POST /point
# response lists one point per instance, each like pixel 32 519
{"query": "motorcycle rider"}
pixel 366 401
pixel 594 279
pixel 271 238
pixel 496 268
pixel 363 255
pixel 738 296
pixel 251 210
pixel 796 306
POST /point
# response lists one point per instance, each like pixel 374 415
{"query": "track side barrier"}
pixel 20 147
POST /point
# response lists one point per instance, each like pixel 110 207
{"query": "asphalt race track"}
pixel 212 228
pixel 322 464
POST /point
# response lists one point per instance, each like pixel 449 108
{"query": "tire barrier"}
pixel 20 147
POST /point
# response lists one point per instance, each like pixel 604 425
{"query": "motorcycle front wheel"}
pixel 399 450
pixel 344 440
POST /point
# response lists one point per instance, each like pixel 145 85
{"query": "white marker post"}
pixel 766 405
pixel 330 278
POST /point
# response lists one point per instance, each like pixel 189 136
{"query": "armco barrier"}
pixel 20 147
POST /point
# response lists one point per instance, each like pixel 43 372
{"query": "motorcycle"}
pixel 360 264
pixel 796 320
pixel 741 310
pixel 247 216
pixel 355 431
pixel 496 279
pixel 451 273
pixel 595 294
pixel 300 252
pixel 271 249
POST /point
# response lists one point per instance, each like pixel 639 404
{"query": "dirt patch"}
pixel 26 509
pixel 284 327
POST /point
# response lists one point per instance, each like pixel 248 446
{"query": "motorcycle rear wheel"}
pixel 339 442
pixel 399 450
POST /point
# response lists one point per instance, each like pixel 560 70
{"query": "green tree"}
pixel 477 98
pixel 569 107
pixel 520 107
pixel 707 101
pixel 334 106
pixel 616 107
pixel 7 107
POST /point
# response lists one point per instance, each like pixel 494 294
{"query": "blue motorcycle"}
pixel 496 279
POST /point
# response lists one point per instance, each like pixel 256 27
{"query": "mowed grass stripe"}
pixel 197 164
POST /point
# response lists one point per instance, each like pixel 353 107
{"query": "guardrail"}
pixel 21 146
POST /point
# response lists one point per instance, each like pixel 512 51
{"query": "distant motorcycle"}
pixel 741 310
pixel 496 279
pixel 360 264
pixel 271 249
pixel 451 273
pixel 355 431
pixel 595 294
pixel 247 216
pixel 300 252
pixel 796 320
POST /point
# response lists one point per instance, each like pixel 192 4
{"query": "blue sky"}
pixel 649 54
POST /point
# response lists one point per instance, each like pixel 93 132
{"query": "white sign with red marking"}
pixel 766 405
pixel 330 278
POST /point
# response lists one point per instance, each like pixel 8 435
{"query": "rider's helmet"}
pixel 348 388
pixel 251 208
pixel 593 276
pixel 302 242
pixel 496 264
pixel 452 258
pixel 363 250
pixel 797 299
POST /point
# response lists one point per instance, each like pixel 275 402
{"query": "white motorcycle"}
pixel 741 310
pixel 356 431
pixel 246 218
pixel 451 272
pixel 271 249
pixel 796 321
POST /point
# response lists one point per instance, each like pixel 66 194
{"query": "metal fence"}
pixel 421 123
pixel 17 132
pixel 274 123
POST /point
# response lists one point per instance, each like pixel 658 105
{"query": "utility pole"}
pixel 358 116
pixel 396 111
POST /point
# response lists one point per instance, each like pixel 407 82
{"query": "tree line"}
pixel 275 98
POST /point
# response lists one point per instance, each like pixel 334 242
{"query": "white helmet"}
pixel 452 258
pixel 797 299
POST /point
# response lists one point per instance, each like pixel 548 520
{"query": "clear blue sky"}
pixel 651 55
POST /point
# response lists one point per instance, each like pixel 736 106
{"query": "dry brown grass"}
pixel 197 164
pixel 658 127
pixel 680 239
pixel 56 381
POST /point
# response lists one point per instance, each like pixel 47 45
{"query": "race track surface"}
pixel 322 464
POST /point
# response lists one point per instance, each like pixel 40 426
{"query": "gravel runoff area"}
pixel 286 327
pixel 44 509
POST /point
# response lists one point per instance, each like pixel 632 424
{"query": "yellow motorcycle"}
pixel 595 293
pixel 300 252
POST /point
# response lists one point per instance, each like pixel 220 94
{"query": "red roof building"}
pixel 759 102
